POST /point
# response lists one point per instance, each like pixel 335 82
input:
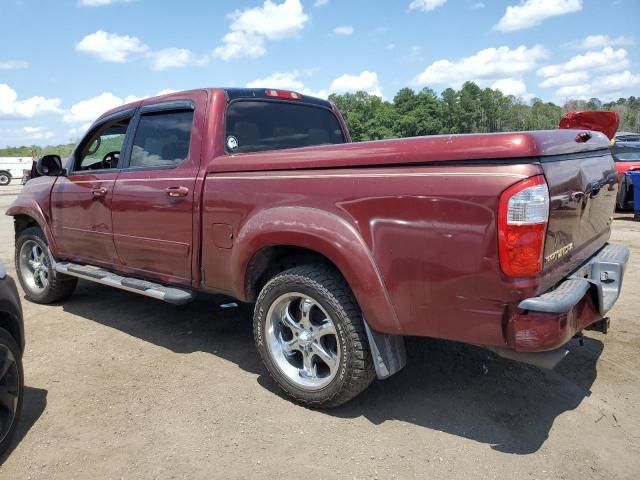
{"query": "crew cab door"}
pixel 81 201
pixel 153 201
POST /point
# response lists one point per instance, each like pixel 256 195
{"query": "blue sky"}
pixel 63 63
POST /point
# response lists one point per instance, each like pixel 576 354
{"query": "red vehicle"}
pixel 499 240
pixel 626 154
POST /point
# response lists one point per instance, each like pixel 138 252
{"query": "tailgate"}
pixel 583 190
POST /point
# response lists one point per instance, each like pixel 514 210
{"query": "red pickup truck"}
pixel 498 240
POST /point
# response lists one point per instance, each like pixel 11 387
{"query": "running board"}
pixel 172 295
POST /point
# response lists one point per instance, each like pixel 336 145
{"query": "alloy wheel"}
pixel 302 341
pixel 34 266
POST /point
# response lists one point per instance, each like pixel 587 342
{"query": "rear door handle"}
pixel 177 191
pixel 99 192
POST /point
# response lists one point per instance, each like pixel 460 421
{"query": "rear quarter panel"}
pixel 429 232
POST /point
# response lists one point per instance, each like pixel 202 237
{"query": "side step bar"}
pixel 172 295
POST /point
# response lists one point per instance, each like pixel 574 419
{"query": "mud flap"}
pixel 388 352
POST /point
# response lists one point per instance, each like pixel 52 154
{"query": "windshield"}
pixel 628 156
pixel 254 125
pixel 626 152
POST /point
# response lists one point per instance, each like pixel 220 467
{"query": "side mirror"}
pixel 50 166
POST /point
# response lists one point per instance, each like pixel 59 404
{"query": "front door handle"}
pixel 177 191
pixel 99 192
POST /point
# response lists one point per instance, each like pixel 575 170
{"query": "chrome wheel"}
pixel 4 179
pixel 9 390
pixel 302 340
pixel 34 266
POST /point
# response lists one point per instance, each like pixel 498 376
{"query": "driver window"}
pixel 102 150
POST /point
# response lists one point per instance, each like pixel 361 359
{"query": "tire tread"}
pixel 335 290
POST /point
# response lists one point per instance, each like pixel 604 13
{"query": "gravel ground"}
pixel 121 386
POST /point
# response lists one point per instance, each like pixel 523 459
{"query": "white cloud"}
pixel 616 81
pixel 490 63
pixel 252 26
pixel 606 87
pixel 293 80
pixel 166 91
pixel 11 107
pixel 530 13
pixel 564 79
pixel 365 81
pixel 320 3
pixel 175 58
pixel 283 80
pixel 13 64
pixel 25 135
pixel 100 3
pixel 344 30
pixel 477 6
pixel 240 44
pixel 288 81
pixel 86 111
pixel 593 42
pixel 607 59
pixel 511 86
pixel 426 5
pixel 36 133
pixel 574 92
pixel 111 47
pixel 76 132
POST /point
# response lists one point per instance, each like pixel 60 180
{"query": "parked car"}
pixel 344 248
pixel 626 154
pixel 13 167
pixel 11 350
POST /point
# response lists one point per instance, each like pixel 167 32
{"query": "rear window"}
pixel 254 126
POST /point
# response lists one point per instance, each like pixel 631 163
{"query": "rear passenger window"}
pixel 162 139
pixel 254 125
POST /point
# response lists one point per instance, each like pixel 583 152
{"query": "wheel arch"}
pixel 284 236
pixel 25 217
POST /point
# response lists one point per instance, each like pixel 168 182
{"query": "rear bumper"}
pixel 548 321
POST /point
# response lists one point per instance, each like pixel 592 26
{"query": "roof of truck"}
pixel 231 94
pixel 235 93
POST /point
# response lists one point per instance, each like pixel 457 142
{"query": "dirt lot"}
pixel 120 386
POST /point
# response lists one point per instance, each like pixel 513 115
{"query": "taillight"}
pixel 283 94
pixel 523 215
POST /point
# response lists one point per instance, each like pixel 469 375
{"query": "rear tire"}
pixel 34 265
pixel 11 388
pixel 310 334
pixel 5 178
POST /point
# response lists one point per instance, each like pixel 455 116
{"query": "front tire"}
pixel 11 388
pixel 310 334
pixel 35 268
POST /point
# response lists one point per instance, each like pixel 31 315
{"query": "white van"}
pixel 13 167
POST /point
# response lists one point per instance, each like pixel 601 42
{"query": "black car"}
pixel 11 350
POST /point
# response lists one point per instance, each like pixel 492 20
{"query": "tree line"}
pixel 468 110
pixel 31 150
